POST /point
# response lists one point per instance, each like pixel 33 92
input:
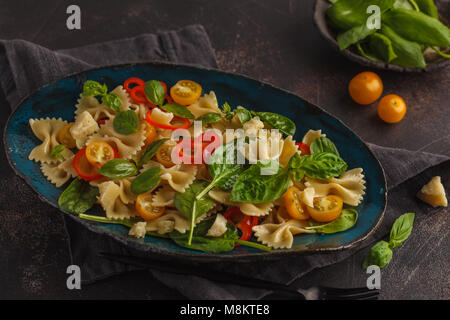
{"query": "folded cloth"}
pixel 25 66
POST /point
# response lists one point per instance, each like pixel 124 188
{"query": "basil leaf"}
pixel 150 151
pixel 155 92
pixel 401 229
pixel 191 207
pixel 226 109
pixel 243 114
pixel 252 186
pixel 146 181
pixel 78 197
pixel 113 101
pixel 56 151
pixel 178 110
pixel 277 121
pixel 428 7
pixel 323 165
pixel 382 47
pixel 380 255
pixel 126 122
pixel 211 117
pixel 118 168
pixel 323 144
pixel 93 88
pixel 345 221
pixel 347 38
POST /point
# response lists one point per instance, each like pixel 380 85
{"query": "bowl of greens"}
pixel 409 36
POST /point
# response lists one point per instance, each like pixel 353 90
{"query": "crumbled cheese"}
pixel 138 230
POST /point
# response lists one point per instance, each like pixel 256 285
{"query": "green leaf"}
pixel 428 7
pixel 323 165
pixel 401 229
pixel 409 54
pixel 210 117
pixel 191 207
pixel 178 110
pixel 150 151
pixel 323 144
pixel 405 4
pixel 118 168
pixel 345 221
pixel 56 152
pixel 78 197
pixel 256 186
pixel 126 122
pixel 226 109
pixel 418 27
pixel 146 181
pixel 380 255
pixel 365 54
pixel 277 121
pixel 347 38
pixel 113 101
pixel 243 114
pixel 382 47
pixel 155 92
pixel 93 88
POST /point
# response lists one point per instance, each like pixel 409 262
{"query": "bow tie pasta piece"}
pixel 163 197
pixel 221 196
pixel 219 227
pixel 205 104
pixel 179 176
pixel 289 149
pixel 84 126
pixel 349 186
pixel 46 130
pixel 312 135
pixel 168 222
pixel 59 173
pixel 140 109
pixel 110 199
pixel 124 97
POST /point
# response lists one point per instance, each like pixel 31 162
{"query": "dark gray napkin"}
pixel 25 66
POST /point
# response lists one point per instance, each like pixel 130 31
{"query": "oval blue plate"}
pixel 58 100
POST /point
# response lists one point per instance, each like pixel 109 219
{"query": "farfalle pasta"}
pixel 173 163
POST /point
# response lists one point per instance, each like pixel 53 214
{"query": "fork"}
pixel 312 293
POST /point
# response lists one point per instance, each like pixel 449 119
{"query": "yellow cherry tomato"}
pixel 150 132
pixel 100 152
pixel 145 209
pixel 326 208
pixel 294 205
pixel 391 108
pixel 185 92
pixel 64 137
pixel 164 155
pixel 365 88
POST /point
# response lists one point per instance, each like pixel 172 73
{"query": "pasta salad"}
pixel 175 164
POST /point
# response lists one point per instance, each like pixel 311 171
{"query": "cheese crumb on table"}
pixel 433 193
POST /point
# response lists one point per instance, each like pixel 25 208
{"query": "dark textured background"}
pixel 269 40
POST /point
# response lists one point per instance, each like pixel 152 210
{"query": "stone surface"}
pixel 273 41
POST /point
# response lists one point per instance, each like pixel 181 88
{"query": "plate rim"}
pixel 209 257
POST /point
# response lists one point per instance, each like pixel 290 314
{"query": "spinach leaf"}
pixel 243 114
pixel 323 165
pixel 253 186
pixel 178 110
pixel 118 168
pixel 323 144
pixel 405 4
pixel 409 54
pixel 78 197
pixel 191 207
pixel 380 254
pixel 210 117
pixel 277 121
pixel 93 88
pixel 351 36
pixel 401 229
pixel 146 181
pixel 418 27
pixel 150 151
pixel 345 221
pixel 428 7
pixel 365 54
pixel 113 101
pixel 126 122
pixel 56 152
pixel 155 92
pixel 382 47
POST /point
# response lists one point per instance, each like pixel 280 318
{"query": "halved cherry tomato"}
pixel 145 209
pixel 102 121
pixel 294 204
pixel 138 82
pixel 365 88
pixel 391 108
pixel 304 148
pixel 85 170
pixel 164 155
pixel 64 137
pixel 186 92
pixel 150 132
pixel 241 221
pixel 185 122
pixel 326 208
pixel 100 152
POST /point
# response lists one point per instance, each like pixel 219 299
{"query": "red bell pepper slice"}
pixel 138 82
pixel 80 164
pixel 245 224
pixel 186 123
pixel 304 148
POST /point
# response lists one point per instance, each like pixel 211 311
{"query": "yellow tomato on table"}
pixel 365 88
pixel 391 108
